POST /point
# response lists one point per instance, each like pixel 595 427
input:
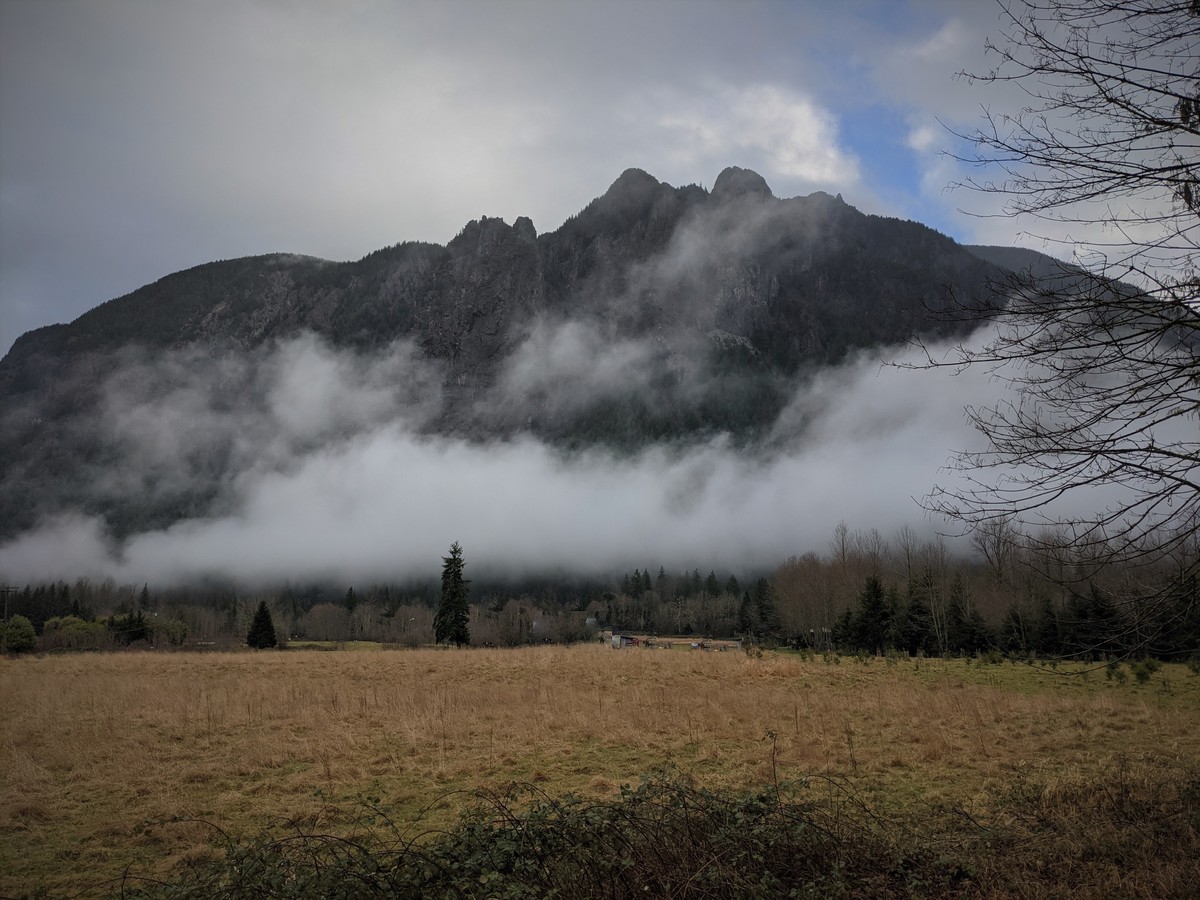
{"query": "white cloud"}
pixel 769 127
pixel 385 501
pixel 948 43
pixel 572 361
pixel 923 139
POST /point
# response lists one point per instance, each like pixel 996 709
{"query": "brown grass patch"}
pixel 100 749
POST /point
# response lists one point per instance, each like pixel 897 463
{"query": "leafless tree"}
pixel 997 542
pixel 1102 356
pixel 872 548
pixel 907 543
pixel 840 545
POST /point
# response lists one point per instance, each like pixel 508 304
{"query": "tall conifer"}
pixel 262 629
pixel 451 622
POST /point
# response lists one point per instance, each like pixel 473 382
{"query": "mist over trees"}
pixel 866 593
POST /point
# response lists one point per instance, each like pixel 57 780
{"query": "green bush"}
pixel 18 636
pixel 74 633
pixel 1144 669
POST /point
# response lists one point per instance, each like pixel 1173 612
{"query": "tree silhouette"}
pixel 451 621
pixel 262 630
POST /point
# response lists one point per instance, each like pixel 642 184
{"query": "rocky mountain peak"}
pixel 738 182
pixel 633 192
pixel 523 226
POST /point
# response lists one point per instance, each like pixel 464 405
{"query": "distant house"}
pixel 624 640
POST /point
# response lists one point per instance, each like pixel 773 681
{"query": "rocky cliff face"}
pixel 656 313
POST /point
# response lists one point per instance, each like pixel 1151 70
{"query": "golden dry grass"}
pixel 100 752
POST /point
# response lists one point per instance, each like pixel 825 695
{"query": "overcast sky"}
pixel 139 137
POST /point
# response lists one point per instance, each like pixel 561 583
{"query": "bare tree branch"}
pixel 1102 360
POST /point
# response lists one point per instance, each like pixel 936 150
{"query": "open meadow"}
pixel 109 759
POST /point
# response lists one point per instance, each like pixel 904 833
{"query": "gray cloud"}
pixel 563 367
pixel 201 420
pixel 350 486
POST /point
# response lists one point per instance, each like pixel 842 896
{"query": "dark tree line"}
pixel 867 594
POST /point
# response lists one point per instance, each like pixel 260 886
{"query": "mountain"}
pixel 656 315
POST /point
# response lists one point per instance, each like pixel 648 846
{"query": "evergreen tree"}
pixel 843 629
pixel 712 587
pixel 870 624
pixel 129 628
pixel 915 633
pixel 683 587
pixel 1179 632
pixel 144 598
pixel 897 611
pixel 390 601
pixel 965 628
pixel 766 609
pixel 1048 633
pixel 1092 625
pixel 746 617
pixel 732 587
pixel 451 622
pixel 262 629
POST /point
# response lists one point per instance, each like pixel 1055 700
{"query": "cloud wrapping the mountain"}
pixel 198 413
pixel 328 475
pixel 566 365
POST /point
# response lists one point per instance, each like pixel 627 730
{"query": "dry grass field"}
pixel 102 755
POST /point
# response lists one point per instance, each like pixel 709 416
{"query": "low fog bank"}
pixel 325 470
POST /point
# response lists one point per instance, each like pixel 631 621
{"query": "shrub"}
pixel 129 628
pixel 19 636
pixel 666 838
pixel 73 633
pixel 1144 669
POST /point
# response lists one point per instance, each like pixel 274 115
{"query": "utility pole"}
pixel 6 590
